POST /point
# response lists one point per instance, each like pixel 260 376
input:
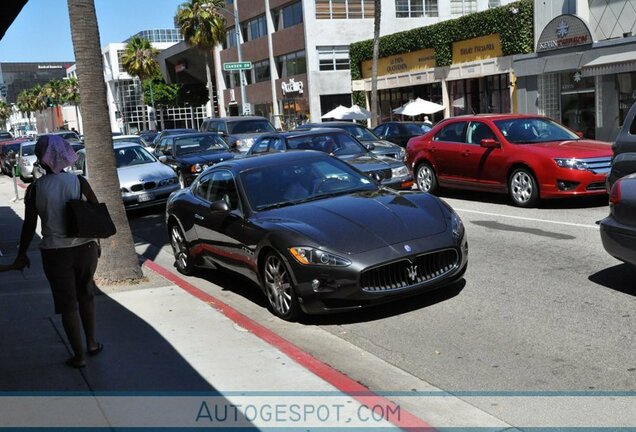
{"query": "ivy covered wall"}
pixel 515 30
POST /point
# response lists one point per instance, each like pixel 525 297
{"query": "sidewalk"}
pixel 184 357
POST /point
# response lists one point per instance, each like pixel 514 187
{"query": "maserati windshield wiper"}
pixel 275 205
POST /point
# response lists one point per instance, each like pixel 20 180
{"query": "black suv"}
pixel 624 161
pixel 190 154
pixel 238 132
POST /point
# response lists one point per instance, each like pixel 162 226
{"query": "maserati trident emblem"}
pixel 412 272
pixel 407 248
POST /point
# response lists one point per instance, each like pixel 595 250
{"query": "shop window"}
pixel 626 83
pixel 261 71
pixel 292 64
pixel 463 7
pixel 333 57
pixel 254 28
pixel 430 8
pixel 345 9
pixel 409 8
pixel 494 3
pixel 288 16
pixel 230 40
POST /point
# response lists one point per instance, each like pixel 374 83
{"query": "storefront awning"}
pixel 611 64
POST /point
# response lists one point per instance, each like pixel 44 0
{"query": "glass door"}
pixel 578 112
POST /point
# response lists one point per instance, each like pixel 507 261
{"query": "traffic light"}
pixel 49 102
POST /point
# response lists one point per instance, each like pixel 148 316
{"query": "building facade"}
pixel 469 71
pixel 583 72
pixel 299 51
pixel 128 111
pixel 16 77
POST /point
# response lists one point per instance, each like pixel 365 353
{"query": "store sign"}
pixel 180 67
pixel 50 67
pixel 407 62
pixel 292 86
pixel 476 49
pixel 565 31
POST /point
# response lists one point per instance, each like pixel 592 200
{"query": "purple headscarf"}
pixel 55 152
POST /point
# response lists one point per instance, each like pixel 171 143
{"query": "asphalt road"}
pixel 543 308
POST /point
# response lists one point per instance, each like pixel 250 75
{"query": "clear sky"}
pixel 42 32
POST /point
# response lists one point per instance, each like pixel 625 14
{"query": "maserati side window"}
pixel 203 188
pixel 223 187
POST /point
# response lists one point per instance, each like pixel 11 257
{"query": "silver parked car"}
pixel 144 181
pixel 26 161
pixel 618 230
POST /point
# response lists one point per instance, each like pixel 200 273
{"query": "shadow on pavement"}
pixel 136 358
pixel 553 204
pixel 386 310
pixel 619 278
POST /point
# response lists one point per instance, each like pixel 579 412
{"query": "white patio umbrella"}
pixel 417 107
pixel 356 112
pixel 336 113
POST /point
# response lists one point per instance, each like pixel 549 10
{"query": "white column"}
pixel 273 71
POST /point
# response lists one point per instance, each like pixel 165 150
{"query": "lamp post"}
pixel 237 31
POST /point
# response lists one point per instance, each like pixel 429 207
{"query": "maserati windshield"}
pixel 301 181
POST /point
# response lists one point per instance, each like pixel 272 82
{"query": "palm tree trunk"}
pixel 119 261
pixel 208 74
pixel 374 68
pixel 220 85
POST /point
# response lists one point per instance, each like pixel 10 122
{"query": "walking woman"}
pixel 69 263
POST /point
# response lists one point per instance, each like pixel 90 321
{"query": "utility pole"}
pixel 237 29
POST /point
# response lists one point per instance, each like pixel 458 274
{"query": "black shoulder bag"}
pixel 87 220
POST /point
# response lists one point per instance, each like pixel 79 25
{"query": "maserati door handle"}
pixel 196 216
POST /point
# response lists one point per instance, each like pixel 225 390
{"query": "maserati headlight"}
pixel 577 164
pixel 313 256
pixel 197 168
pixel 399 172
pixel 457 226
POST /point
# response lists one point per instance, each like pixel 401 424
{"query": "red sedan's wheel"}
pixel 426 178
pixel 523 188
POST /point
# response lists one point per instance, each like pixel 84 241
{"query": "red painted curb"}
pixel 342 382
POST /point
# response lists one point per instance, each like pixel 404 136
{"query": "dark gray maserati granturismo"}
pixel 314 233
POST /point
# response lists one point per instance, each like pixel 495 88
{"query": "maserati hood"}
pixel 362 221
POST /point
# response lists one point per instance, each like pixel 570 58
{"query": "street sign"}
pixel 232 66
pixel 247 108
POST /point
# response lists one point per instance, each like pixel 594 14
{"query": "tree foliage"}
pixel 201 23
pixel 5 112
pixel 164 94
pixel 139 58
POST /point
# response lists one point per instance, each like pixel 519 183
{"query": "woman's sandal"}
pixel 95 351
pixel 75 363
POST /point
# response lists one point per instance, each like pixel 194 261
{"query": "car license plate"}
pixel 145 197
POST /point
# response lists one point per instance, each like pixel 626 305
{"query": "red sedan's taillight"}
pixel 615 193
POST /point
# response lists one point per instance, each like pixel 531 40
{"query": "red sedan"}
pixel 527 157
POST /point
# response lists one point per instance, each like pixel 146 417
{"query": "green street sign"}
pixel 237 66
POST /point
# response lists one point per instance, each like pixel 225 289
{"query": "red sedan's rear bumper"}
pixel 563 182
